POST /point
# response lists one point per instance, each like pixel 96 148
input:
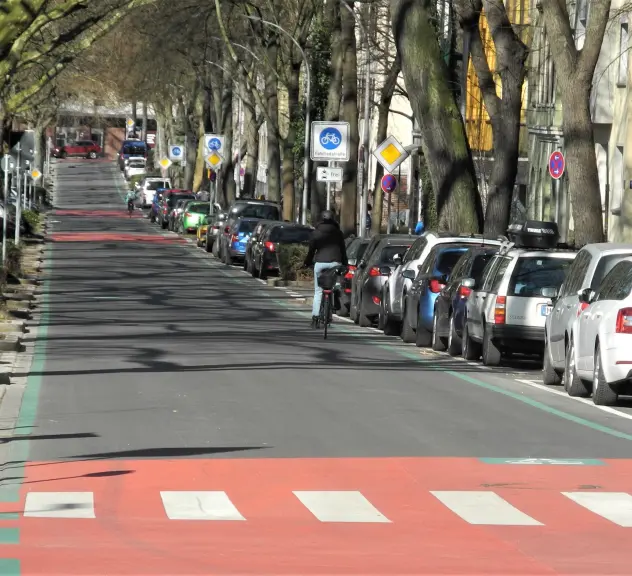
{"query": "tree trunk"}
pixel 444 141
pixel 251 136
pixel 200 163
pixel 228 184
pixel 348 208
pixel 290 205
pixel 272 98
pixel 39 139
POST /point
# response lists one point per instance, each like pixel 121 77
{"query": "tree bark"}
pixel 444 141
pixel 228 184
pixel 290 204
pixel 251 136
pixel 574 73
pixel 272 99
pixel 348 208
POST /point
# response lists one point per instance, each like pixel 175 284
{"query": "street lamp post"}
pixel 308 92
pixel 367 124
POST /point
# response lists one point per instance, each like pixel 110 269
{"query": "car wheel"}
pixel 381 319
pixel 454 340
pixel 92 155
pixel 363 319
pixel 208 246
pixel 423 337
pixel 438 344
pixel 603 394
pixel 549 375
pixel 491 353
pixel 245 264
pixel 164 225
pixel 263 274
pixel 471 348
pixel 353 310
pixel 228 260
pixel 573 384
pixel 407 334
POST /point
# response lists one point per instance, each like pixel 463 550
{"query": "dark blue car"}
pixel 449 312
pixel 430 280
pixel 238 239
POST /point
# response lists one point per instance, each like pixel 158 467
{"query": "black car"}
pixel 449 312
pixel 355 250
pixel 254 240
pixel 265 252
pixel 373 270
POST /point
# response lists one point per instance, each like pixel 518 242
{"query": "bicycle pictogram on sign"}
pixel 330 138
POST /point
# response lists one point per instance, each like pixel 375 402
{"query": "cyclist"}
pixel 129 199
pixel 326 250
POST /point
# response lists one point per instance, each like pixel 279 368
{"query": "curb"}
pixel 12 342
pixel 289 283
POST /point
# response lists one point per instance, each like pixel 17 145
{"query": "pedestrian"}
pixel 419 229
pixel 369 220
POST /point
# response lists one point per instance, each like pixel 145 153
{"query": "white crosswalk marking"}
pixel 199 506
pixel 59 505
pixel 613 506
pixel 484 508
pixel 336 506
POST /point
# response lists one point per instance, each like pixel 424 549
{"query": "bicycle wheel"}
pixel 326 314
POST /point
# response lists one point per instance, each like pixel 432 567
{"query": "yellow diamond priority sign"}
pixel 165 163
pixel 214 159
pixel 390 153
pixel 35 173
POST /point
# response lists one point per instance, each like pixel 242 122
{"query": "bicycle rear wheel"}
pixel 326 314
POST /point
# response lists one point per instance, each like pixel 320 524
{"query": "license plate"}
pixel 545 309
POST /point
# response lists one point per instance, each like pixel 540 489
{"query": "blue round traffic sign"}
pixel 214 144
pixel 389 183
pixel 557 164
pixel 176 151
pixel 330 138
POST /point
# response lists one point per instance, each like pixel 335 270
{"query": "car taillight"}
pixel 187 214
pixel 624 321
pixel 227 230
pixel 582 307
pixel 499 310
pixel 374 271
pixel 350 272
pixel 376 300
pixel 269 246
pixel 164 211
pixel 234 238
pixel 464 291
pixel 435 286
pixel 215 227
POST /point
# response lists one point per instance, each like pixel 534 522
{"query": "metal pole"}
pixel 238 147
pixel 6 214
pixel 328 190
pixel 18 210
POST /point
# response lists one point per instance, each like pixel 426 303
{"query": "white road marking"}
pixel 199 506
pixel 59 505
pixel 484 509
pixel 613 506
pixel 334 506
pixel 590 403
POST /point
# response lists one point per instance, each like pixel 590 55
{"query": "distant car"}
pixel 148 187
pixel 249 208
pixel 239 235
pixel 168 202
pixel 194 214
pixel 131 148
pixel 135 167
pixel 81 148
pixel 265 253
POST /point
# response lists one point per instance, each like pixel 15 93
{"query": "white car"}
pixel 148 188
pixel 135 167
pixel 506 311
pixel 599 359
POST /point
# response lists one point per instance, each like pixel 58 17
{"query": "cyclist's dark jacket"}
pixel 327 245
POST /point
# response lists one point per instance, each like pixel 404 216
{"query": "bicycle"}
pixel 130 207
pixel 329 283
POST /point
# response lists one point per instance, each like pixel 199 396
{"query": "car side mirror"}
pixel 409 274
pixel 586 295
pixel 385 270
pixel 468 283
pixel 397 259
pixel 549 292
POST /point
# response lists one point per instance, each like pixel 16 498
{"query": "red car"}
pixel 82 148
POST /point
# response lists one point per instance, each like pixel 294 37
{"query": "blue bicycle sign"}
pixel 214 144
pixel 176 151
pixel 330 138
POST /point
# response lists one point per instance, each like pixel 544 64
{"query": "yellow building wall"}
pixel 477 124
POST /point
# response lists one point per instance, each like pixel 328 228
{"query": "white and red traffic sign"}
pixel 388 183
pixel 557 164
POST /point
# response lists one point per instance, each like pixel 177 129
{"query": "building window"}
pixel 623 52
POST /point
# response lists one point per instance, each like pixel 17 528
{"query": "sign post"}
pixel 6 166
pixel 557 165
pixel 214 153
pixel 388 185
pixel 328 175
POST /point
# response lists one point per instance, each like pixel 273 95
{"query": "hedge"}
pixel 13 265
pixel 291 258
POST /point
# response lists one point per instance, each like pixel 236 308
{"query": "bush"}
pixel 134 179
pixel 32 218
pixel 14 260
pixel 291 258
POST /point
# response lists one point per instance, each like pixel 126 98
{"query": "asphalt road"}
pixel 161 369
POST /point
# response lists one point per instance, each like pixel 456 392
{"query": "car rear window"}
pixel 134 150
pixel 606 264
pixel 201 208
pixel 479 265
pixel 175 198
pixel 248 225
pixel 446 259
pixel 263 211
pixel 357 250
pixel 156 184
pixel 532 274
pixel 389 252
pixel 282 234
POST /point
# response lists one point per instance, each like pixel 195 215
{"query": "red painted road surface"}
pixel 131 533
pixel 101 213
pixel 115 237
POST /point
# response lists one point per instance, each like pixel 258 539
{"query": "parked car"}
pixel 239 234
pixel 200 232
pixel 178 209
pixel 168 202
pixel 600 355
pixel 371 274
pixel 589 268
pixel 249 208
pixel 81 148
pixel 155 205
pixel 147 188
pixel 506 314
pixel 193 215
pixel 355 250
pixel 132 148
pixel 428 282
pixel 399 283
pixel 404 239
pixel 135 167
pixel 265 253
pixel 449 310
pixel 254 239
pixel 213 229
